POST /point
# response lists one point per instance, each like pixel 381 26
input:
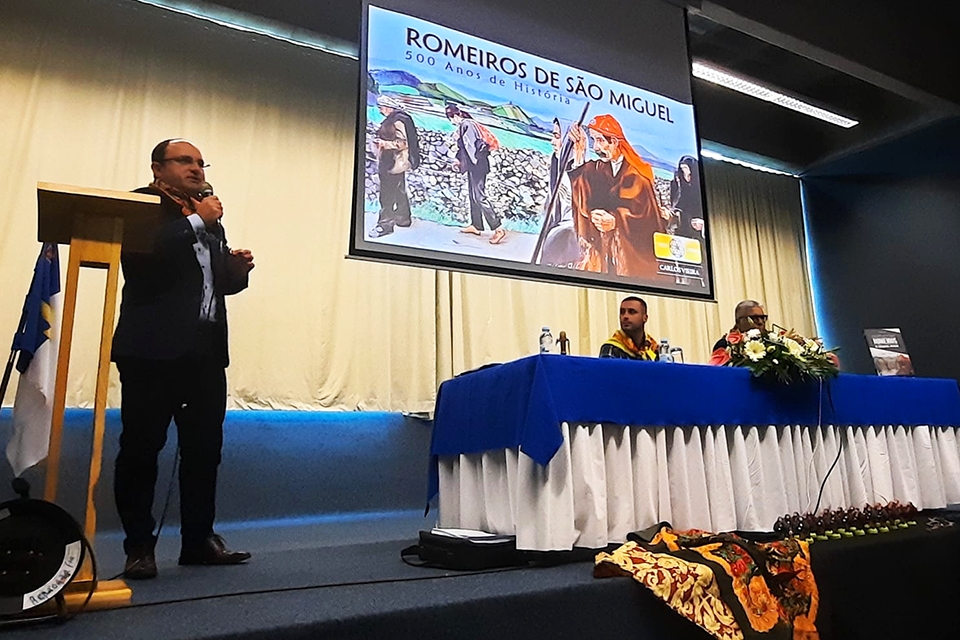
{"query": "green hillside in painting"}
pixel 441 91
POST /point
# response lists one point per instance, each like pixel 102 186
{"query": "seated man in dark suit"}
pixel 631 341
pixel 171 349
pixel 747 315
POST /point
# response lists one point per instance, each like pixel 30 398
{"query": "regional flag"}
pixel 37 340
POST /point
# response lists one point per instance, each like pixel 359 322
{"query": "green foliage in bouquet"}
pixel 783 356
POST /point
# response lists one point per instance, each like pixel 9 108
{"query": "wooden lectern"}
pixel 95 223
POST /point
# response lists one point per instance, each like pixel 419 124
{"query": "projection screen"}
pixel 528 145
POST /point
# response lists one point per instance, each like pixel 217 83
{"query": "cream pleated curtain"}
pixel 86 90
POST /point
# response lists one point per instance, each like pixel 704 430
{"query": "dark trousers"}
pixel 480 206
pixel 394 203
pixel 193 391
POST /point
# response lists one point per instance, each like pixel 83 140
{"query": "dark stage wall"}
pixel 277 465
pixel 884 229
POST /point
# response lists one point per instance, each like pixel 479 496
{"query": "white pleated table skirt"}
pixel 608 480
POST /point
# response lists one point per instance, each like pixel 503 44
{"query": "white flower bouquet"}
pixel 784 356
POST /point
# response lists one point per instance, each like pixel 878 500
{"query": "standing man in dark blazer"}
pixel 170 347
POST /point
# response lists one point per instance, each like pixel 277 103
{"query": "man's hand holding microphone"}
pixel 210 210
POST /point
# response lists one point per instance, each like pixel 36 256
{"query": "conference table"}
pixel 566 451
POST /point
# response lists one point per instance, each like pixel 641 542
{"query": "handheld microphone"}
pixel 206 190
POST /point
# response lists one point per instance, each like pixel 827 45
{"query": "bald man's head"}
pixel 749 314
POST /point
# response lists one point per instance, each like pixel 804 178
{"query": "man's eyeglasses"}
pixel 760 318
pixel 187 160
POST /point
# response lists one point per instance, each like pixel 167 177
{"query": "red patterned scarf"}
pixel 182 199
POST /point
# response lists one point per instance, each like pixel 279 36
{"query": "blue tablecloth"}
pixel 523 403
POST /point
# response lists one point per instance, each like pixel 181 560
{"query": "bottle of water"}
pixel 546 340
pixel 664 354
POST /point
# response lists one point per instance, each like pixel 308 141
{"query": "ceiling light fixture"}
pixel 713 155
pixel 750 88
pixel 253 24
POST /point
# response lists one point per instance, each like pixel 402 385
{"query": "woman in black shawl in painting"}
pixel 686 199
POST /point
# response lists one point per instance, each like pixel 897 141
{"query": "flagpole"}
pixel 13 353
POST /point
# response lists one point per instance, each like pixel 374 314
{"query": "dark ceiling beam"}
pixel 774 35
pixel 896 133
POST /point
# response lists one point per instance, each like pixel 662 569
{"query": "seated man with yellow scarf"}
pixel 631 341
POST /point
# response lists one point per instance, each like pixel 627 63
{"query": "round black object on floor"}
pixel 41 551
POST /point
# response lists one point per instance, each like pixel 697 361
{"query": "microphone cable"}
pixel 166 506
pixel 839 448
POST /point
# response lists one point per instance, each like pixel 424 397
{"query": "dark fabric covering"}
pixel 901 584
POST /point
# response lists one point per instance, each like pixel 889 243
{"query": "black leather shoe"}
pixel 212 551
pixel 141 563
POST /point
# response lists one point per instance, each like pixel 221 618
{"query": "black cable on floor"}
pixel 166 506
pixel 258 592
